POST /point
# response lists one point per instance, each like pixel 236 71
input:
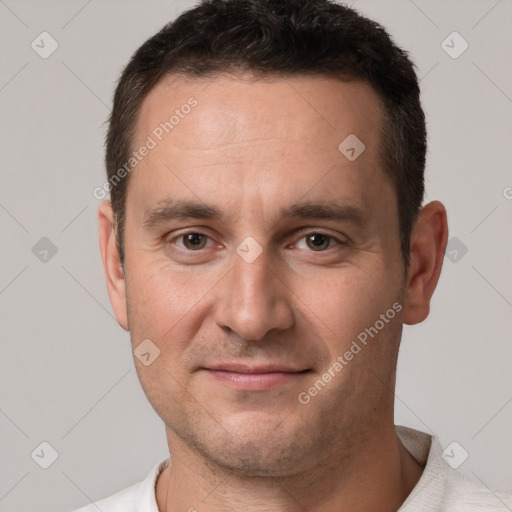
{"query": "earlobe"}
pixel 428 245
pixel 114 275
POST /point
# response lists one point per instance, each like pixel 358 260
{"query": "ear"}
pixel 428 244
pixel 114 274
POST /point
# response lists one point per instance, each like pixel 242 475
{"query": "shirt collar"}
pixel 427 494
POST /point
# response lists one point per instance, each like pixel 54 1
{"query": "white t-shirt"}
pixel 440 488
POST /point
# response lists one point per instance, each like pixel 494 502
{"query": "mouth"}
pixel 254 378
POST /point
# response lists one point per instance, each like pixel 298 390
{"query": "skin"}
pixel 251 148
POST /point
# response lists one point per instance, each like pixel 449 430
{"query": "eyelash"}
pixel 327 235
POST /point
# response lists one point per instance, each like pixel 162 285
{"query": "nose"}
pixel 253 299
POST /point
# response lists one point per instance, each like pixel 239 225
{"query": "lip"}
pixel 254 378
pixel 245 368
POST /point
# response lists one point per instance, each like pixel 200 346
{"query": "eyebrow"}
pixel 169 210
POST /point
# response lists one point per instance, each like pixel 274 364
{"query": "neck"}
pixel 377 474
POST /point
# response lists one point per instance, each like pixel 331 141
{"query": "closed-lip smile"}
pixel 254 377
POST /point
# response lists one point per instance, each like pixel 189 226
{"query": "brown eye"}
pixel 318 241
pixel 194 241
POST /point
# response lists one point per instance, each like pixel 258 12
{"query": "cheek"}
pixel 352 301
pixel 161 299
pixel 163 306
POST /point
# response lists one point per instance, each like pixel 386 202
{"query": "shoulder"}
pixel 441 488
pixel 122 501
pixel 463 492
pixel 139 497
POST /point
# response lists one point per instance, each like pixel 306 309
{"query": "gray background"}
pixel 67 375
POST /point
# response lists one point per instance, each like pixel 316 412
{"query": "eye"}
pixel 319 241
pixel 193 240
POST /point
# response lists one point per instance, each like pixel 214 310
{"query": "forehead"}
pixel 232 107
pixel 246 137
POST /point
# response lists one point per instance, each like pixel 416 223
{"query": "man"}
pixel 264 245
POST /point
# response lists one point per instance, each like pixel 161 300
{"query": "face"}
pixel 258 258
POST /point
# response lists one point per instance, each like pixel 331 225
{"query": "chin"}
pixel 254 459
pixel 254 450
